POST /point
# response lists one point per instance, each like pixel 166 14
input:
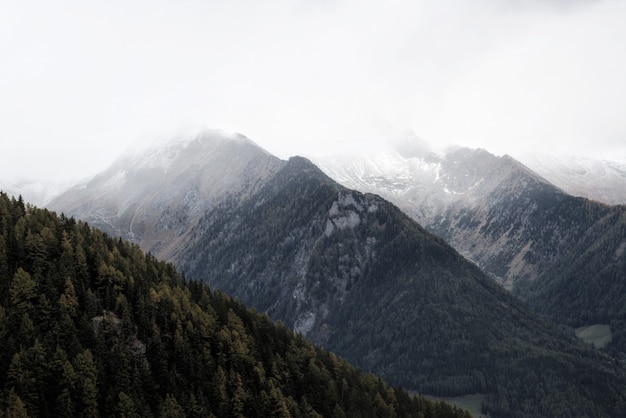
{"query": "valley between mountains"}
pixel 408 292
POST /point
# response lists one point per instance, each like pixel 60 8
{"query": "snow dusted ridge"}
pixel 388 171
pixel 604 181
pixel 162 153
pixel 409 168
pixel 483 205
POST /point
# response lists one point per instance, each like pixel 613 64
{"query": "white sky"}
pixel 81 80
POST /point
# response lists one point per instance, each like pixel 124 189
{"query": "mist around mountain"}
pixel 602 181
pixel 154 195
pixel 352 272
pixel 91 326
pixel 35 192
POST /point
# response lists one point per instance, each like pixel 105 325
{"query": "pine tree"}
pixel 16 408
pixel 22 291
pixel 68 300
pixel 65 403
pixel 86 386
pixel 171 408
pixel 126 407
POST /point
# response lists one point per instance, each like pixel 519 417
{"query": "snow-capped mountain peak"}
pixel 153 193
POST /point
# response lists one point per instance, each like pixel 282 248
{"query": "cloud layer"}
pixel 80 80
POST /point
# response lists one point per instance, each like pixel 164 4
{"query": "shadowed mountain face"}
pixel 154 197
pixel 352 272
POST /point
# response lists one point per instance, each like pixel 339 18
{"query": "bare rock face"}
pixel 476 201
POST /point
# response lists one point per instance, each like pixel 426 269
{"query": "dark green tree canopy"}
pixel 91 326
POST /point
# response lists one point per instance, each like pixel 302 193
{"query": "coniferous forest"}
pixel 91 326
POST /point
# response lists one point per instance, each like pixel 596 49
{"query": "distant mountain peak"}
pixel 161 152
pixel 409 145
pixel 181 139
pixel 154 193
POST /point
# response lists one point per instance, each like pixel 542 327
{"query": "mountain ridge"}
pixel 453 196
pixel 154 180
pixel 515 225
pixel 355 273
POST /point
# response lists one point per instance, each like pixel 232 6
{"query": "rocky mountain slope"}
pixel 476 201
pixel 565 253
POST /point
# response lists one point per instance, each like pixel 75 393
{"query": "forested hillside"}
pixel 91 326
pixel 354 273
pixel 586 285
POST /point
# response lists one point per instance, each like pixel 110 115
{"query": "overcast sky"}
pixel 81 80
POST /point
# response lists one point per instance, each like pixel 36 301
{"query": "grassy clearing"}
pixel 599 335
pixel 470 403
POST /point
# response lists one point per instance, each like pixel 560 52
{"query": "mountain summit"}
pixel 155 194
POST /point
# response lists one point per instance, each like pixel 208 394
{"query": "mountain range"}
pixel 561 254
pixel 355 274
